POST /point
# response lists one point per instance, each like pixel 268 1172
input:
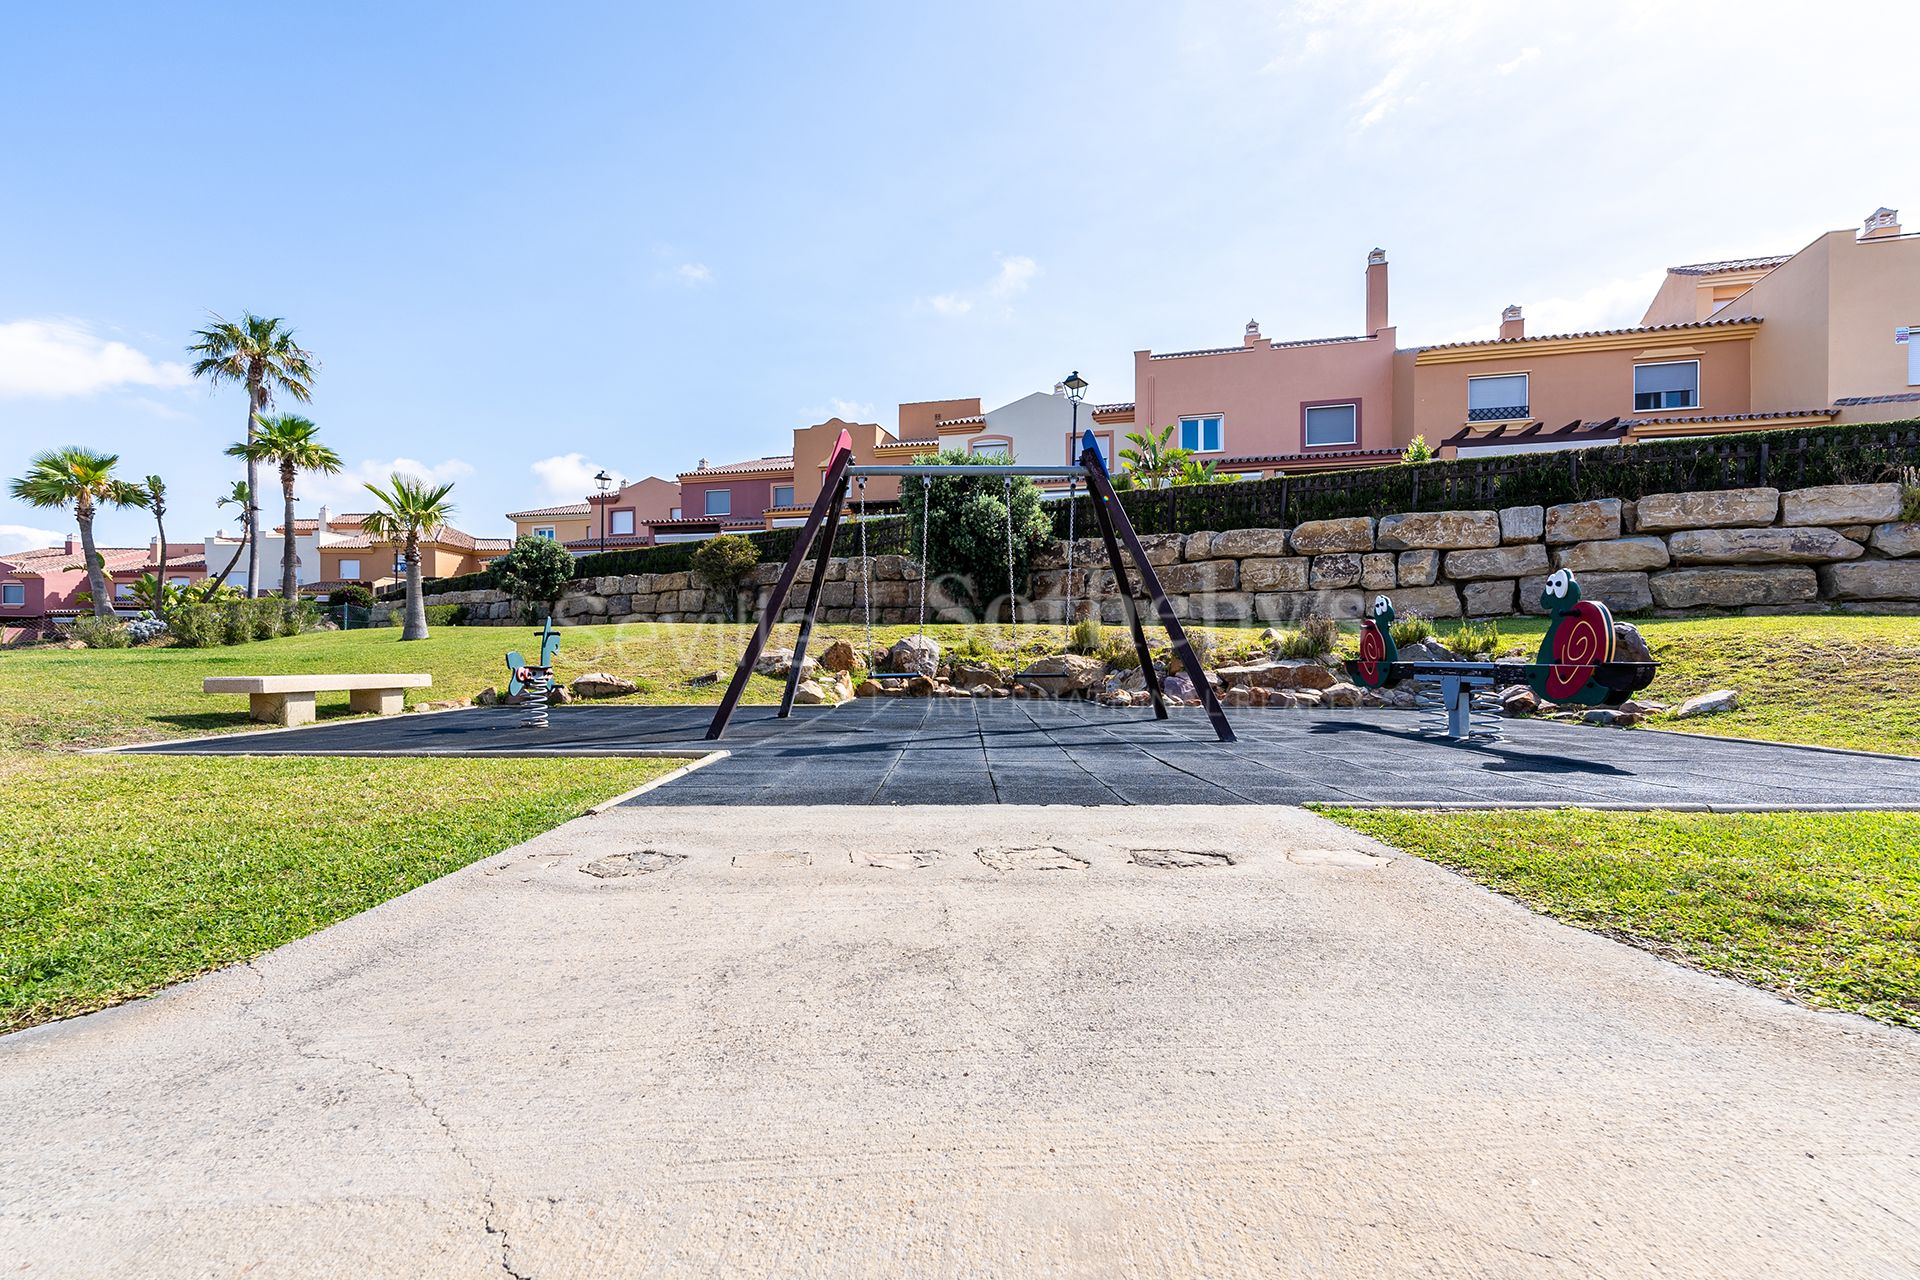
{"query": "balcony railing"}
pixel 1498 413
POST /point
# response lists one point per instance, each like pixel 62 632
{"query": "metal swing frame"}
pixel 823 523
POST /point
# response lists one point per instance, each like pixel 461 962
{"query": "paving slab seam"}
pixel 672 775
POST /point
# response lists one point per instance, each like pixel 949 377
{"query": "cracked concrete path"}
pixel 841 1041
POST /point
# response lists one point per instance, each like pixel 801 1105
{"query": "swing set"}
pixel 823 522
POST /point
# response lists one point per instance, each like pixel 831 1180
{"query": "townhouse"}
pixel 51 582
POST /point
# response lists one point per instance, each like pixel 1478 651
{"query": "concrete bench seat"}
pixel 289 699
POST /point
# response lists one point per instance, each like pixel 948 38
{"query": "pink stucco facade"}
pixel 1262 390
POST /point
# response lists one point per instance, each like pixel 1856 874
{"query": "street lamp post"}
pixel 605 482
pixel 1076 389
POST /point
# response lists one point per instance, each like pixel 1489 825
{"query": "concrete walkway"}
pixel 958 1042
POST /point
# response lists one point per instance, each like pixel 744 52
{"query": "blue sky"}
pixel 530 241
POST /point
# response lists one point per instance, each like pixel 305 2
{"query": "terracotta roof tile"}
pixel 772 462
pixel 1731 264
pixel 1592 333
pixel 1901 397
pixel 569 509
pixel 55 559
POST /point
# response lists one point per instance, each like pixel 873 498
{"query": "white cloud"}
pixel 1519 60
pixel 55 359
pixel 1009 282
pixel 693 274
pixel 21 537
pixel 569 476
pixel 1611 304
pixel 845 410
pixel 347 490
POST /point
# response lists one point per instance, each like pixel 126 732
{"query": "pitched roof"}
pixel 1731 264
pixel 1593 333
pixel 1122 406
pixel 772 462
pixel 1900 397
pixel 567 509
pixel 55 559
pixel 446 536
pixel 1272 346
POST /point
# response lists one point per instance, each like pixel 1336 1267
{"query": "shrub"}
pixel 1474 639
pixel 966 519
pixel 353 594
pixel 1315 637
pixel 438 615
pixel 536 571
pixel 1910 494
pixel 1417 451
pixel 146 629
pixel 1117 651
pixel 723 562
pixel 1411 630
pixel 207 625
pixel 1085 637
pixel 100 633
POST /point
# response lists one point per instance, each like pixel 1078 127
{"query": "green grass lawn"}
pixel 122 874
pixel 1824 908
pixel 1833 680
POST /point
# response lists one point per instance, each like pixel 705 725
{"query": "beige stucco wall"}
pixel 1585 385
pixel 1790 352
pixel 565 528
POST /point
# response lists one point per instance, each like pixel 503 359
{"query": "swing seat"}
pixel 894 675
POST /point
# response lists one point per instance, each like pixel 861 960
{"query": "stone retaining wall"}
pixel 1740 549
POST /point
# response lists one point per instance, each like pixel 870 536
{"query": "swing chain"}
pixel 866 571
pixel 1013 606
pixel 926 506
pixel 1073 500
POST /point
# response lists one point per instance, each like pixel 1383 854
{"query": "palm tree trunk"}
pixel 238 551
pixel 416 618
pixel 256 400
pixel 289 562
pixel 96 576
pixel 160 569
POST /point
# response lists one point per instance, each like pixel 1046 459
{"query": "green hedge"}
pixel 1784 459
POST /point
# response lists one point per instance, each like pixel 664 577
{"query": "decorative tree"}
pixel 84 480
pixel 287 440
pixel 409 511
pixel 1418 450
pixel 236 497
pixel 261 355
pixel 966 522
pixel 537 569
pixel 1153 459
pixel 723 563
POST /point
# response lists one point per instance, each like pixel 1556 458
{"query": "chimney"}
pixel 1377 291
pixel 1884 222
pixel 320 522
pixel 1253 334
pixel 73 544
pixel 702 466
pixel 1511 323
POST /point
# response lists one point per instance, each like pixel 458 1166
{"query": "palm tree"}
pixel 261 355
pixel 1153 458
pixel 1194 471
pixel 156 489
pixel 84 480
pixel 237 497
pixel 410 510
pixel 287 440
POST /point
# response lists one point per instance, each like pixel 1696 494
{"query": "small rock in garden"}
pixel 1611 718
pixel 868 689
pixel 919 687
pixel 1239 696
pixel 1629 645
pixel 914 653
pixel 487 697
pixel 1643 707
pixel 1707 704
pixel 810 693
pixel 1340 695
pixel 1518 700
pixel 1179 686
pixel 599 684
pixel 706 678
pixel 559 695
pixel 837 656
pixel 1261 696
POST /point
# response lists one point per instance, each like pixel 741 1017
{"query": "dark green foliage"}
pixel 967 528
pixel 1790 459
pixel 723 562
pixel 204 626
pixel 537 571
pixel 356 595
pixel 100 633
pixel 438 615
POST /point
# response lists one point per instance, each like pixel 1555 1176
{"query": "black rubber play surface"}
pixel 981 751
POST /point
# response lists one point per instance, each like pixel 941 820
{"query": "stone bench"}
pixel 289 699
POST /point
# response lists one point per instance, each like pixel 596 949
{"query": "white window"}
pixel 1913 355
pixel 544 531
pixel 123 591
pixel 622 523
pixel 13 593
pixel 674 514
pixel 719 502
pixel 1325 424
pixel 989 449
pixel 350 571
pixel 1500 398
pixel 1202 434
pixel 179 582
pixel 783 495
pixel 1666 386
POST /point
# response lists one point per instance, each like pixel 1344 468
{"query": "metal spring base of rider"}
pixel 1436 720
pixel 533 698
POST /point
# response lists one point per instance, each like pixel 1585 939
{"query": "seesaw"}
pixel 1575 663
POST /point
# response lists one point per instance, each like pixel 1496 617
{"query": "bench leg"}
pixel 282 708
pixel 382 702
